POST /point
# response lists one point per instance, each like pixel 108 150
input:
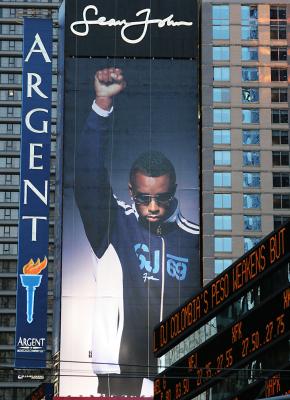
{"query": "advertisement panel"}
pixel 34 195
pixel 130 245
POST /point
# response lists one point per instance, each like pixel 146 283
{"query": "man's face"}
pixel 152 196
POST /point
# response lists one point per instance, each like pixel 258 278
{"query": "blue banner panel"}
pixel 32 278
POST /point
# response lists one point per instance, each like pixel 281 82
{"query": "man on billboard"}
pixel 156 248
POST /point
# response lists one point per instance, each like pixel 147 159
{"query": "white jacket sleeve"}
pixel 108 319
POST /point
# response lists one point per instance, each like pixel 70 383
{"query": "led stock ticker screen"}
pixel 233 347
pixel 228 285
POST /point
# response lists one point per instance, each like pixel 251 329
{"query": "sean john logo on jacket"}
pixel 176 267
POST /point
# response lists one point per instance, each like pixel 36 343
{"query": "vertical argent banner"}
pixel 32 275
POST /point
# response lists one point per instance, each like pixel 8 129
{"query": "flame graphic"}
pixel 34 268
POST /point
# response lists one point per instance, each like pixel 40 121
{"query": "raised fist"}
pixel 108 83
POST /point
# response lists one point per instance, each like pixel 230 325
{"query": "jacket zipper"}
pixel 159 231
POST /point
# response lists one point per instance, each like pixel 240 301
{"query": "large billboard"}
pixel 130 198
pixel 32 276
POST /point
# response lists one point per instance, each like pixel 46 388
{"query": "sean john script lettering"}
pixel 85 23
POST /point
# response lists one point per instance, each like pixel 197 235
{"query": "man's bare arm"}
pixel 108 83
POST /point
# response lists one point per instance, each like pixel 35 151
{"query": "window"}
pixel 280 158
pixel 7 284
pixel 281 200
pixel 249 32
pixel 9 162
pixel 278 74
pixel 7 339
pixel 221 136
pixel 220 22
pixel 222 179
pixel 9 213
pixel 252 200
pixel 278 16
pixel 52 197
pixel 250 116
pixel 250 95
pixel 53 147
pixel 222 200
pixel 249 54
pixel 8 320
pixel 251 158
pixel 278 53
pixel 10 129
pixel 8 266
pixel 9 179
pixel 280 137
pixel 7 302
pixel 8 231
pixel 223 222
pixel 221 95
pixel 251 179
pixel 278 29
pixel 278 12
pixel 220 53
pixel 222 157
pixel 221 264
pixel 8 249
pixel 9 145
pixel 222 115
pixel 279 95
pixel 280 220
pixel 223 244
pixel 250 242
pixel 251 136
pixel 252 222
pixel 11 45
pixel 279 116
pixel 221 73
pixel 250 74
pixel 7 12
pixel 281 179
pixel 9 197
pixel 10 112
pixel 10 78
pixel 10 94
pixel 249 29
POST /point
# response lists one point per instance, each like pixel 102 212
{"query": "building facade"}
pixel 14 384
pixel 245 142
pixel 245 129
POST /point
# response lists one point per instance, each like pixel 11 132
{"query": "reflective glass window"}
pixel 250 116
pixel 252 222
pixel 252 200
pixel 222 157
pixel 223 244
pixel 251 136
pixel 222 179
pixel 222 200
pixel 221 136
pixel 222 115
pixel 251 158
pixel 251 179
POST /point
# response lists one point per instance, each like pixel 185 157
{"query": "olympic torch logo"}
pixel 30 280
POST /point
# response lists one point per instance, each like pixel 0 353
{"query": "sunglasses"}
pixel 161 198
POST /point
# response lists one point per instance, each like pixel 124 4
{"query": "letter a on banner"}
pixel 32 270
